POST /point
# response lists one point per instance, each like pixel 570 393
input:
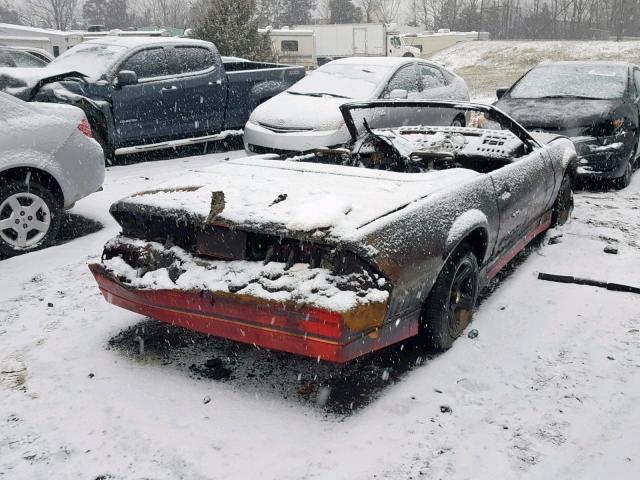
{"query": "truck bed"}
pixel 244 77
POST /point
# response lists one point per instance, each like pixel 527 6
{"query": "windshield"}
pixel 356 81
pixel 92 59
pixel 572 80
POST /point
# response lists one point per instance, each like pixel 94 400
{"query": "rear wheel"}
pixel 30 217
pixel 563 206
pixel 449 307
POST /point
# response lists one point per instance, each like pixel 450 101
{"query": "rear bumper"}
pixel 246 319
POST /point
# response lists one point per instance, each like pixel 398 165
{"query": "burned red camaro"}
pixel 345 251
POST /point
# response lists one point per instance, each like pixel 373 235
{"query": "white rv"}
pixel 432 42
pixel 293 47
pixel 55 42
pixel 357 39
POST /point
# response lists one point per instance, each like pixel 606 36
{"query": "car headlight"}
pixel 606 129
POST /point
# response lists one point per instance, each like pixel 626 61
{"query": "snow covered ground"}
pixel 549 389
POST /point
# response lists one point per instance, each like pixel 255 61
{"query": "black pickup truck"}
pixel 147 93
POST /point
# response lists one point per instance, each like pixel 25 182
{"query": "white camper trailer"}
pixel 357 39
pixel 55 42
pixel 293 47
pixel 432 42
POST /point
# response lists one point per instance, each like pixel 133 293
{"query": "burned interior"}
pixel 421 137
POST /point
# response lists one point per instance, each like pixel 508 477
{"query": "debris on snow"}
pixel 473 333
pixel 611 249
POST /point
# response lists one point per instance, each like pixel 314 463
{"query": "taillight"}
pixel 85 128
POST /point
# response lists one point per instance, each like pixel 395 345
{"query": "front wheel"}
pixel 450 304
pixel 459 121
pixel 30 217
pixel 625 179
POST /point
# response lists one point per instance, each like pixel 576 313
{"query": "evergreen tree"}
pixel 233 26
pixel 343 11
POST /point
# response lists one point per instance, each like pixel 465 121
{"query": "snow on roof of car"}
pixel 133 42
pixel 383 61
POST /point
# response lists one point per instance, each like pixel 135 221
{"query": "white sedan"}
pixel 307 115
pixel 48 161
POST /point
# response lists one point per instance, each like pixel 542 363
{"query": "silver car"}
pixel 307 115
pixel 48 161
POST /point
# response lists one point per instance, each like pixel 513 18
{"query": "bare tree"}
pixel 369 7
pixel 387 10
pixel 167 13
pixel 59 14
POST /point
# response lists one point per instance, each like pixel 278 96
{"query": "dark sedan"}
pixel 594 103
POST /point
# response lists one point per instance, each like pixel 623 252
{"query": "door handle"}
pixel 172 88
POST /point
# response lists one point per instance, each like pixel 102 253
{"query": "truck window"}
pixel 193 59
pixel 6 60
pixel 148 63
pixel 289 45
pixel 395 42
pixel 24 59
pixel 404 79
pixel 431 77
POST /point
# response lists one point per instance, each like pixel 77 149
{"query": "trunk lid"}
pixel 288 197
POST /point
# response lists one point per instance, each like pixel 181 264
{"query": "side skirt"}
pixel 499 263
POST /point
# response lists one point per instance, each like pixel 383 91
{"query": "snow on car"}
pixel 307 115
pixel 346 251
pixel 48 161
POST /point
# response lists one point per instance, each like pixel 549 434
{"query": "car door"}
pixel 146 110
pixel 522 193
pixel 201 82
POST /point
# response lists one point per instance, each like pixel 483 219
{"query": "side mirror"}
pixel 500 92
pixel 126 77
pixel 398 94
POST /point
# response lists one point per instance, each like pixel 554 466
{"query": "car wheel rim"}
pixel 456 123
pixel 462 298
pixel 24 220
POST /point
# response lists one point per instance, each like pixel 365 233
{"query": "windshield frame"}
pixel 496 114
pixel 624 95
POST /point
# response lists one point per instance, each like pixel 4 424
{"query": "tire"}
pixel 34 229
pixel 459 121
pixel 563 206
pixel 109 155
pixel 625 179
pixel 449 307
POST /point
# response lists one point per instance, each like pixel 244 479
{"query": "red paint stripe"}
pixel 501 262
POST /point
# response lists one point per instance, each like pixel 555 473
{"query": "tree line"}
pixel 233 24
